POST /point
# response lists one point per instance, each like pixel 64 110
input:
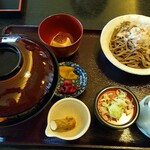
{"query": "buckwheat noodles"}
pixel 130 45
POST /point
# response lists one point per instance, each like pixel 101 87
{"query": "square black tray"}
pixel 100 73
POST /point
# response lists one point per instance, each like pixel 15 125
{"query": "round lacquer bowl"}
pixel 28 78
pixel 62 33
pixel 116 107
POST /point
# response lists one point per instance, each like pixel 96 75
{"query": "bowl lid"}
pixel 28 77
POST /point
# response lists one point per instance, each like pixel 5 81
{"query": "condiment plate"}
pixel 78 84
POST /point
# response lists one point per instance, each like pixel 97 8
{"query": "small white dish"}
pixel 106 37
pixel 71 107
pixel 143 121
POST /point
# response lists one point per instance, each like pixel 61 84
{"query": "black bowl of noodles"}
pixel 125 41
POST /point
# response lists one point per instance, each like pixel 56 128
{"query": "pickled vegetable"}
pixel 67 72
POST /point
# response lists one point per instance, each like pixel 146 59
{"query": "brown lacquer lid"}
pixel 28 77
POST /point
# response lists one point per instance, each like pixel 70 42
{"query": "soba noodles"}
pixel 130 44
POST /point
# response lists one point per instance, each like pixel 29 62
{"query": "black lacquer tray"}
pixel 100 73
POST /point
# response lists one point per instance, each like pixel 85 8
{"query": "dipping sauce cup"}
pixel 62 33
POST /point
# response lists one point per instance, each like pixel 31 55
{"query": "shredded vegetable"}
pixel 112 105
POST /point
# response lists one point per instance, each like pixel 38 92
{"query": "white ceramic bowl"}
pixel 106 36
pixel 69 107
